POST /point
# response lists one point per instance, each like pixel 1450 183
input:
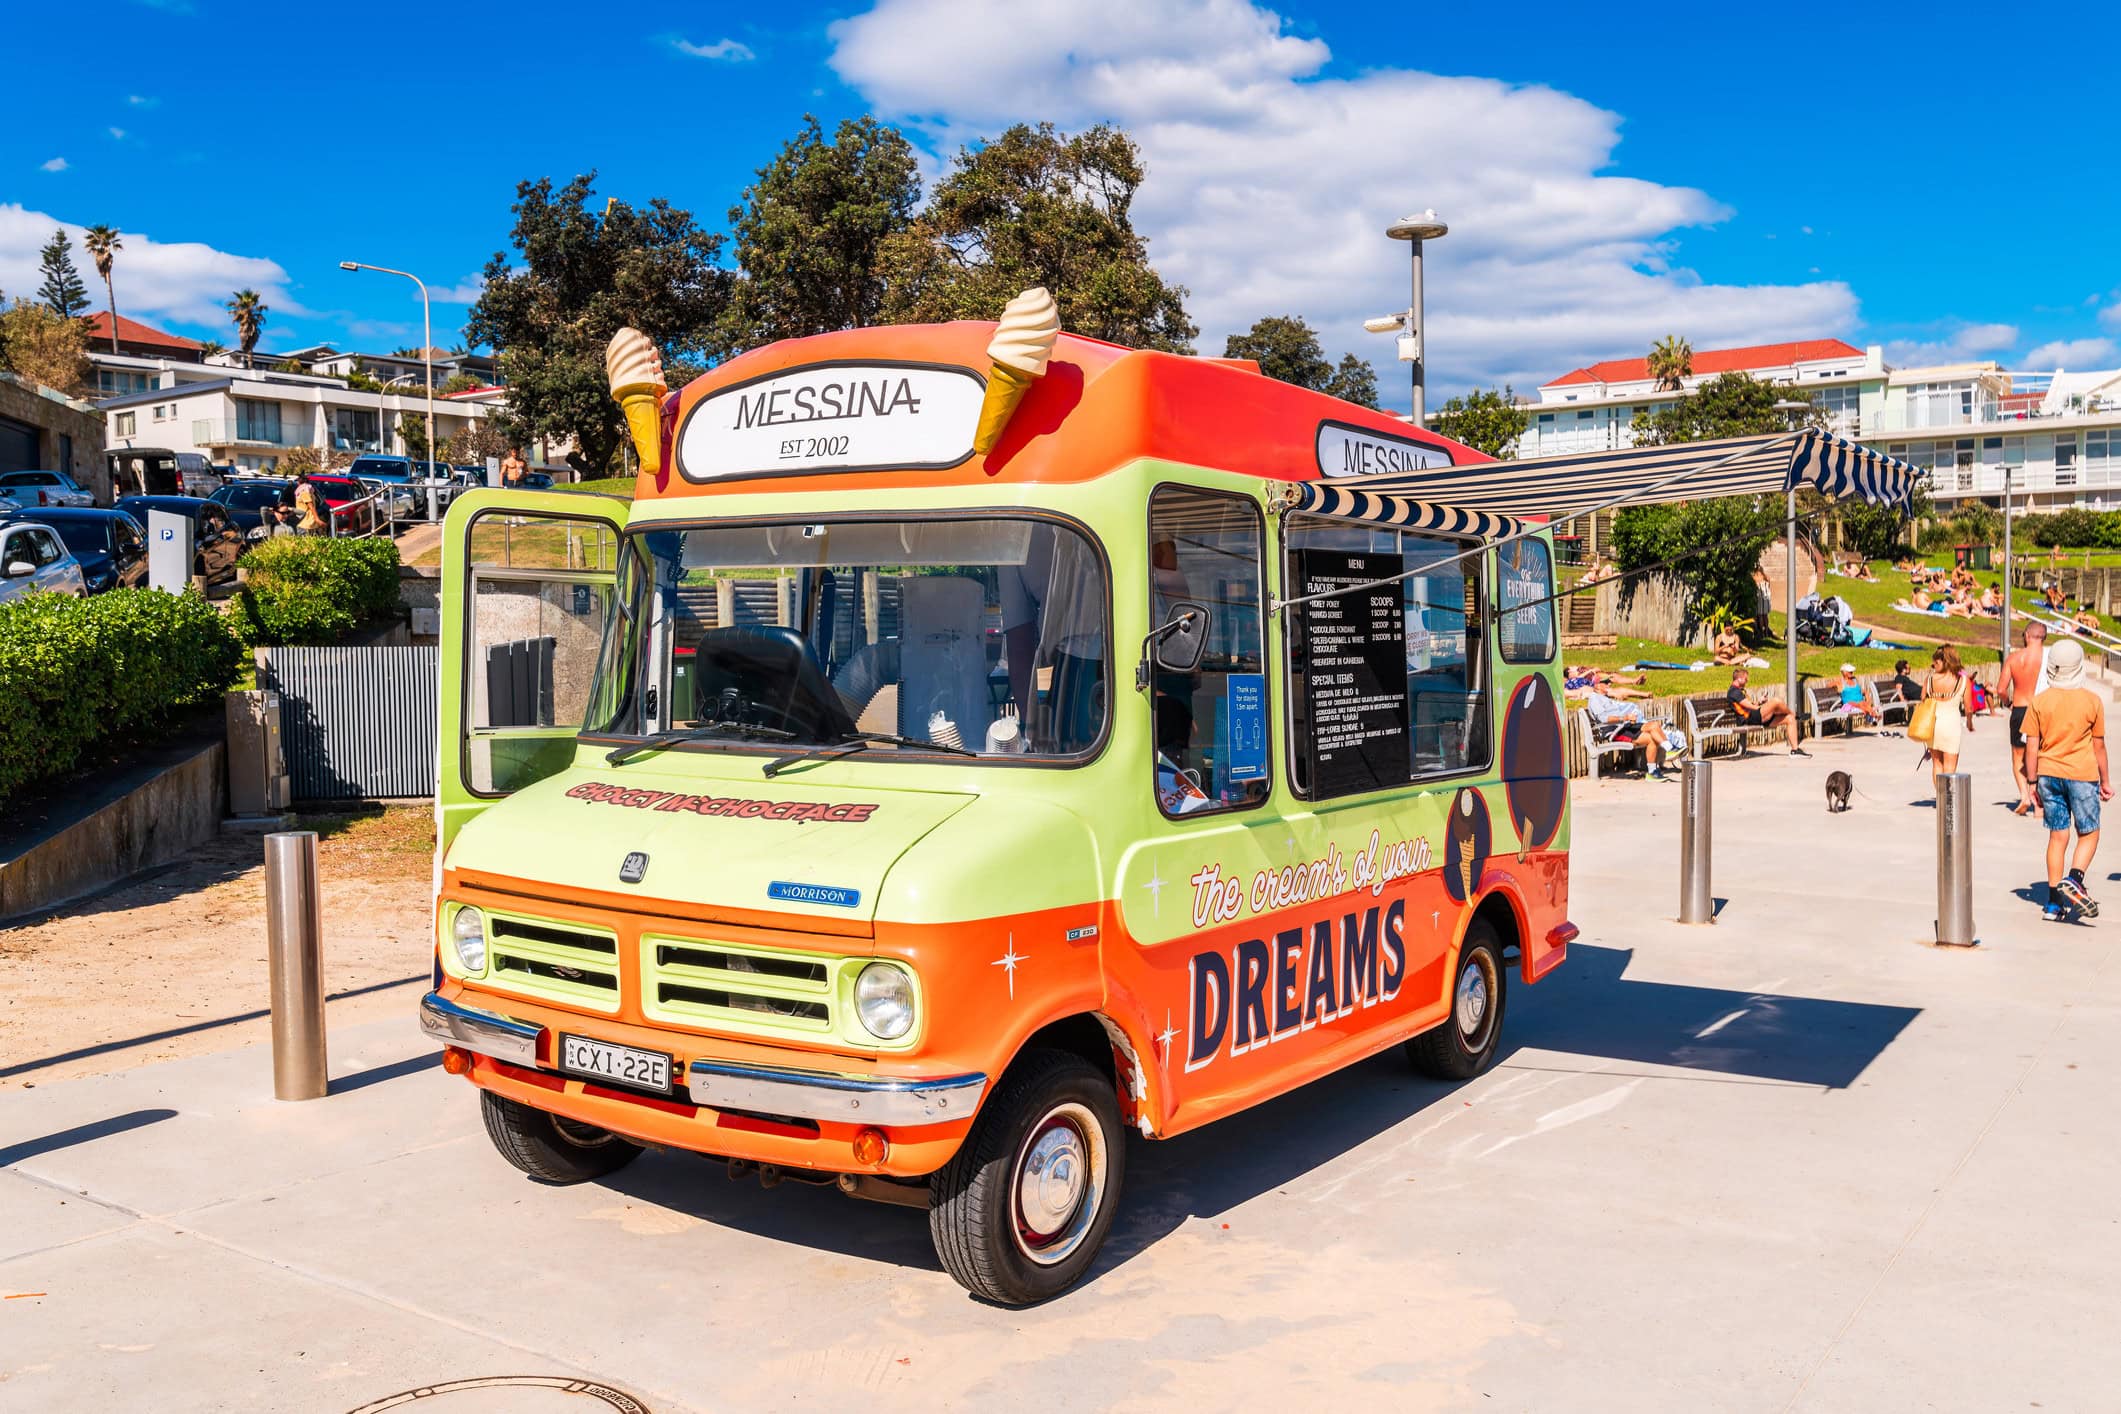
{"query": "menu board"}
pixel 1354 672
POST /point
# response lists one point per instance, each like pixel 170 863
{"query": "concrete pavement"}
pixel 1794 1161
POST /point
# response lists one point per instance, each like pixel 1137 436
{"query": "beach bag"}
pixel 1922 722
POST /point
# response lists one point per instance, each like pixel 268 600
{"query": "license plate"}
pixel 600 1060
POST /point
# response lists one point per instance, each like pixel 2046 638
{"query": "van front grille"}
pixel 762 992
pixel 563 962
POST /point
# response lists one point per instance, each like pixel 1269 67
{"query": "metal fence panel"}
pixel 358 723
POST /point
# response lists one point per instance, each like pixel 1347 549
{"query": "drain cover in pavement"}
pixel 515 1394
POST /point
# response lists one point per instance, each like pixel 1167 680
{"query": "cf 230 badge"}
pixel 634 868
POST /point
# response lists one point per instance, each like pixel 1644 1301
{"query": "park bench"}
pixel 1601 738
pixel 1885 707
pixel 1824 699
pixel 1709 716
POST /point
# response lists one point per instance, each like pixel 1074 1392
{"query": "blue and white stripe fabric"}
pixel 1492 499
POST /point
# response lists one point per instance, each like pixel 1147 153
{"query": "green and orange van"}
pixel 926 779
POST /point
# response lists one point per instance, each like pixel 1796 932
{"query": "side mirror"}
pixel 19 569
pixel 1183 638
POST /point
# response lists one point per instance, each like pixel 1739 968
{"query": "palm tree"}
pixel 248 311
pixel 210 348
pixel 103 243
pixel 1671 359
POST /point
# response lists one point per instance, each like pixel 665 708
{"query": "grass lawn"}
pixel 1812 663
pixel 1873 606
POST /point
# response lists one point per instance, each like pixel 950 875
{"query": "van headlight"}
pixel 468 930
pixel 883 999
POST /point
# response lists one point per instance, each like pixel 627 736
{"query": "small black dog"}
pixel 1838 786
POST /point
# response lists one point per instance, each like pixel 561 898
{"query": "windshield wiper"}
pixel 858 741
pixel 618 756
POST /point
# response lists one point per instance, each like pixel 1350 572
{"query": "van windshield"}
pixel 986 635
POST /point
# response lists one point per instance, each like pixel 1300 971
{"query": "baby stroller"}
pixel 1828 623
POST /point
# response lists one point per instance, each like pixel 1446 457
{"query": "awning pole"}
pixel 1789 605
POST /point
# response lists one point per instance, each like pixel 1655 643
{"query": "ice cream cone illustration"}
pixel 636 373
pixel 1023 342
pixel 1465 866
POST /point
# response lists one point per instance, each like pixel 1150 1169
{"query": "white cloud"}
pixel 466 291
pixel 2110 316
pixel 733 51
pixel 56 164
pixel 2079 354
pixel 1957 343
pixel 183 281
pixel 142 101
pixel 118 133
pixel 1269 188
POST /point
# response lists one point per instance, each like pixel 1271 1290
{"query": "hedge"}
pixel 314 589
pixel 79 673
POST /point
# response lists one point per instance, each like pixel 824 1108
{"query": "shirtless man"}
pixel 2021 677
pixel 512 468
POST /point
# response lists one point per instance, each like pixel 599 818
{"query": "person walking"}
pixel 2021 682
pixel 2065 751
pixel 1947 688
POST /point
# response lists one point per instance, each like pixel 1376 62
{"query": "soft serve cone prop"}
pixel 636 373
pixel 1023 343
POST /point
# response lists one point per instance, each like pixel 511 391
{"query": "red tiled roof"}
pixel 132 331
pixel 1708 362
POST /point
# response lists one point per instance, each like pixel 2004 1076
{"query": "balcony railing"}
pixel 1913 417
pixel 222 432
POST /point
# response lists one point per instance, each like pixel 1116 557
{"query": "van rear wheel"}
pixel 1467 1041
pixel 550 1148
pixel 1019 1213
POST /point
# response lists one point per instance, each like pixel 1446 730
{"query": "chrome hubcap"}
pixel 1060 1180
pixel 1472 998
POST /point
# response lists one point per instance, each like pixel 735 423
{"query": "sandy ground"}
pixel 173 964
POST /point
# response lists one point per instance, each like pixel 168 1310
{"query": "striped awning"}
pixel 1490 499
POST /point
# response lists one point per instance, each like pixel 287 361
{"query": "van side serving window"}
pixel 1211 722
pixel 1526 629
pixel 1386 685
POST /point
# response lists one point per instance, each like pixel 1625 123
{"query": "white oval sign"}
pixel 833 417
pixel 1346 450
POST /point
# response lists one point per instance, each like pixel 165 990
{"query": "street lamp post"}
pixel 1414 230
pixel 427 345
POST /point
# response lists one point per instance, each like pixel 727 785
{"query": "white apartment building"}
pixel 1592 409
pixel 252 419
pixel 2055 435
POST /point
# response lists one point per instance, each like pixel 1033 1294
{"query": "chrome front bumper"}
pixel 720 1085
pixel 487 1032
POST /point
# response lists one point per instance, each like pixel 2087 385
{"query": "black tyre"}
pixel 1020 1212
pixel 550 1148
pixel 1465 1044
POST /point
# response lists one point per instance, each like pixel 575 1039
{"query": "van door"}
pixel 527 587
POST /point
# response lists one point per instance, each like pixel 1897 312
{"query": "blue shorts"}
pixel 2063 802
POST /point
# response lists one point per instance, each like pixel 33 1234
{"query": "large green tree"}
pixel 62 291
pixel 46 348
pixel 1486 420
pixel 1728 405
pixel 809 235
pixel 583 275
pixel 1286 347
pixel 1039 207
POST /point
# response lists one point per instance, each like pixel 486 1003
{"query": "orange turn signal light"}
pixel 455 1060
pixel 870 1146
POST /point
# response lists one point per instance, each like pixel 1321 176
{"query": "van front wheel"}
pixel 1019 1213
pixel 550 1148
pixel 1465 1044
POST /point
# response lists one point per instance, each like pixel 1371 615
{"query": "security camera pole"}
pixel 1413 230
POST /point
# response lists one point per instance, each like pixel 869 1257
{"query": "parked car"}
pixel 196 474
pixel 43 488
pixel 394 499
pixel 144 471
pixel 247 498
pixel 376 467
pixel 32 557
pixel 108 546
pixel 349 506
pixel 217 542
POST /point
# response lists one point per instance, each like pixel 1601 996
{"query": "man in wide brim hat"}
pixel 2065 752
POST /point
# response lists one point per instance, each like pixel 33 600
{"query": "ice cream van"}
pixel 974 747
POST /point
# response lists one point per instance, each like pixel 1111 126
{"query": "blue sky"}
pixel 1730 175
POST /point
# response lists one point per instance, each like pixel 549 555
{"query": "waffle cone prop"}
pixel 1023 343
pixel 1465 866
pixel 636 373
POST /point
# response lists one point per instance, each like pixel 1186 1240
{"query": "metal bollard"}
pixel 1955 860
pixel 294 944
pixel 1697 899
